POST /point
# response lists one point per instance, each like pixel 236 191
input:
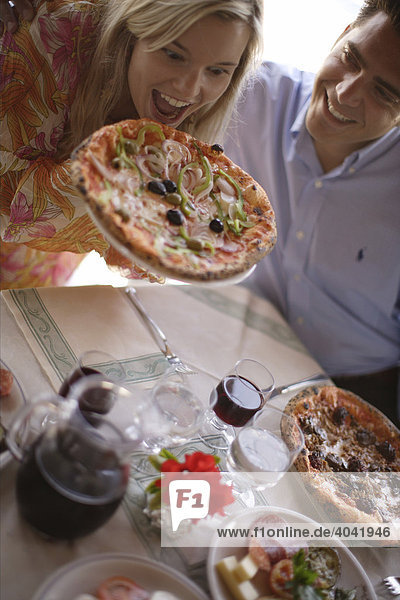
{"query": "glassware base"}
pixel 218 439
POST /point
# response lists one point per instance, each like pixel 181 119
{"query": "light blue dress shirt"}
pixel 335 271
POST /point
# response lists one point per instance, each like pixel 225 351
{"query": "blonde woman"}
pixel 79 65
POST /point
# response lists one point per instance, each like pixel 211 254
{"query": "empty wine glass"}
pixel 94 362
pixel 171 413
pixel 236 398
pixel 265 448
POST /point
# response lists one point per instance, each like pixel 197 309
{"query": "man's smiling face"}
pixel 356 95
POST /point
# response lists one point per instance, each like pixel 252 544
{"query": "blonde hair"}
pixel 124 21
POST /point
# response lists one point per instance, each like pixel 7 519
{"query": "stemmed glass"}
pixel 94 362
pixel 97 397
pixel 171 413
pixel 265 448
pixel 236 398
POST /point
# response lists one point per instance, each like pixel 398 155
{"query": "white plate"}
pixel 352 575
pixel 116 243
pixel 9 406
pixel 85 575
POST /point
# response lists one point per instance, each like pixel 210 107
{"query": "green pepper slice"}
pixel 186 205
pixel 239 203
pixel 122 157
pixel 194 244
pixel 207 169
pixel 150 127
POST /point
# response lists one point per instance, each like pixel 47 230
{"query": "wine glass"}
pixel 265 448
pixel 98 398
pixel 171 413
pixel 94 362
pixel 237 397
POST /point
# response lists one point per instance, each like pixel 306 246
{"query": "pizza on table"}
pixel 351 454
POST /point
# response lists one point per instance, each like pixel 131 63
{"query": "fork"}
pixel 295 385
pixel 157 334
pixel 391 585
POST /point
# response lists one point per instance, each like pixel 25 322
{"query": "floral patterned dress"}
pixel 45 230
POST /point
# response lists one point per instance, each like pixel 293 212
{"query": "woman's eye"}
pixel 172 54
pixel 218 71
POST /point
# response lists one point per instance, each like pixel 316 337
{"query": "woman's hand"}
pixel 9 14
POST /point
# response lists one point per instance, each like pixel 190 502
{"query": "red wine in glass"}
pixel 93 362
pixel 236 399
pixel 93 400
pixel 53 494
pixel 76 374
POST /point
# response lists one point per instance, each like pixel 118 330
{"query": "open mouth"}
pixel 338 115
pixel 169 109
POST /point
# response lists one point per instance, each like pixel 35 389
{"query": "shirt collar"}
pixel 362 156
pixel 299 122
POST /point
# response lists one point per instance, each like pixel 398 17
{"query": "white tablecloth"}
pixel 44 330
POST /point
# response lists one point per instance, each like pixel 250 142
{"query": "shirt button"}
pixel 300 320
pixel 300 235
pixel 318 184
pixel 297 277
pixel 352 170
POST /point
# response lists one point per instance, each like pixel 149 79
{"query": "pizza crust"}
pixel 136 217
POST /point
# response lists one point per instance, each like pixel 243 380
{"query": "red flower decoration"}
pixel 171 466
pixel 200 462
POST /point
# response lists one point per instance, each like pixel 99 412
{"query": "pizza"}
pixel 173 203
pixel 351 453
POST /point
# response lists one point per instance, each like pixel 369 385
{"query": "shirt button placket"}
pixel 298 246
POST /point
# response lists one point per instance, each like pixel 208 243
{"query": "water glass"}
pixel 266 448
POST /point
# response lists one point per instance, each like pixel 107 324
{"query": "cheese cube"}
pixel 244 590
pixel 246 568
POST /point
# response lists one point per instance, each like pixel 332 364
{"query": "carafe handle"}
pixel 33 419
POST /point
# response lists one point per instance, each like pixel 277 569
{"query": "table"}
pixel 208 327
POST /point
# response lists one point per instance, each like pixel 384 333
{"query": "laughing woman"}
pixel 79 65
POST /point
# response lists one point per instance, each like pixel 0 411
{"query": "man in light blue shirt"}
pixel 326 148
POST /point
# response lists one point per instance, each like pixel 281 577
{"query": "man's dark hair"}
pixel 371 7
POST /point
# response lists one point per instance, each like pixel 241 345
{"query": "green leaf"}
pixel 155 503
pixel 306 592
pixel 164 453
pixel 156 461
pixel 152 488
pixel 303 578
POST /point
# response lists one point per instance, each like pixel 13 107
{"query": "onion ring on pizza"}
pixel 178 205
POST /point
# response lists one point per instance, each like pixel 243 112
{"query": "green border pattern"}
pixel 59 353
pixel 140 369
